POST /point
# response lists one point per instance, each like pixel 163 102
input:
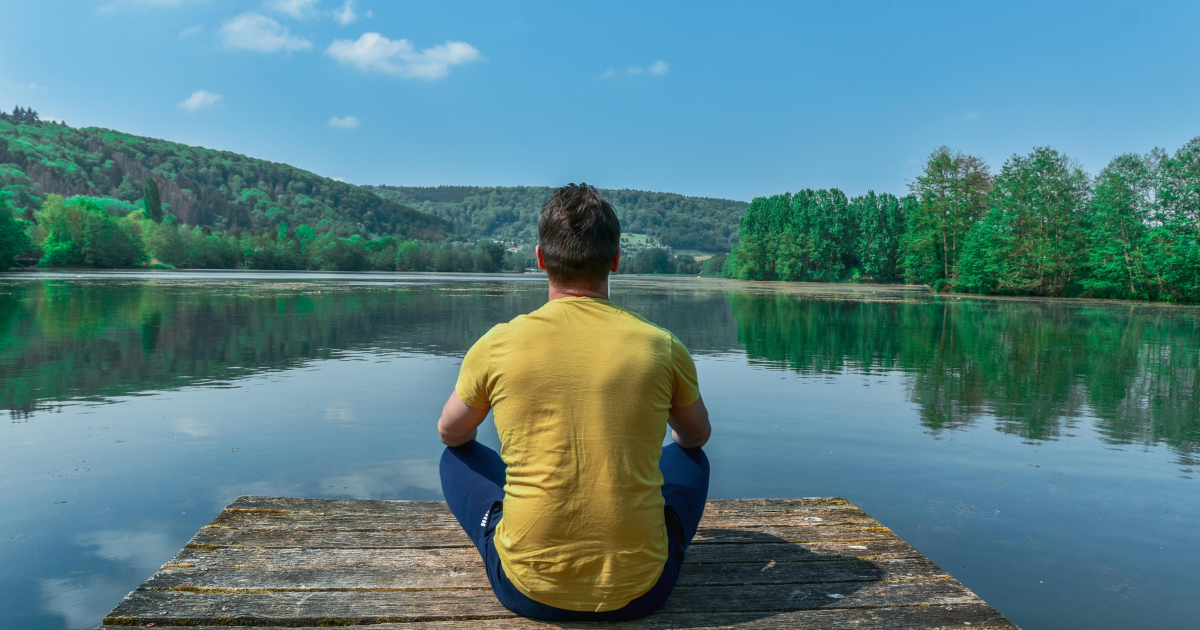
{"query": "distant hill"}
pixel 510 213
pixel 203 187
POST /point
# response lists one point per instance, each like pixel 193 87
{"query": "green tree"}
pixel 880 227
pixel 412 256
pixel 1033 239
pixel 79 231
pixel 1120 245
pixel 13 238
pixel 154 209
pixel 1176 224
pixel 488 256
pixel 652 260
pixel 951 196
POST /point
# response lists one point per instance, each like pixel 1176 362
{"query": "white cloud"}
pixel 191 31
pixel 658 68
pixel 299 9
pixel 199 100
pixel 345 122
pixel 145 551
pixel 81 601
pixel 345 14
pixel 35 86
pixel 251 31
pixel 399 58
pixel 407 478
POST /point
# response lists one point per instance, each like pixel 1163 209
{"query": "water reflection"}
pixel 98 338
pixel 1036 367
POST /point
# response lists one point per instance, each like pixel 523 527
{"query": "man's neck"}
pixel 562 291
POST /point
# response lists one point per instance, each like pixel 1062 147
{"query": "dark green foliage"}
pixel 950 196
pixel 714 266
pixel 1121 241
pixel 817 236
pixel 651 260
pixel 151 201
pixel 880 222
pixel 1176 224
pixel 510 214
pixel 202 187
pixel 482 256
pixel 1033 239
pixel 20 191
pixel 13 239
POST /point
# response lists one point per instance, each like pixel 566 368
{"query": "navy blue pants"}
pixel 473 482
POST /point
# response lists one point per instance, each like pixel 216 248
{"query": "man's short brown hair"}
pixel 580 235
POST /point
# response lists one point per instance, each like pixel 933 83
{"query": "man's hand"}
pixel 689 425
pixel 459 422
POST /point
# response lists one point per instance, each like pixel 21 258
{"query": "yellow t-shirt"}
pixel 580 390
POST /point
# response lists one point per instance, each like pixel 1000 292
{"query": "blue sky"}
pixel 717 99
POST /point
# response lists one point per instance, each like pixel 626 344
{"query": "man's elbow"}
pixel 694 438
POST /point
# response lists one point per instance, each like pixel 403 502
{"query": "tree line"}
pixel 510 213
pixel 1041 226
pixel 110 233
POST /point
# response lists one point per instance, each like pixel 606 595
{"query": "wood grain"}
pixel 406 565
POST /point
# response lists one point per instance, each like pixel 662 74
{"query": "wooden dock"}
pixel 406 565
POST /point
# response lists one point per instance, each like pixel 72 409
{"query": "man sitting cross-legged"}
pixel 583 515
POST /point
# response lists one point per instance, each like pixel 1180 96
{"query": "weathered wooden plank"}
pixel 405 559
pixel 258 512
pixel 316 608
pixel 470 574
pixel 343 539
pixel 891 548
pixel 408 520
pixel 960 617
pixel 755 563
pixel 361 506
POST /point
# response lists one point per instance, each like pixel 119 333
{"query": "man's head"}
pixel 579 236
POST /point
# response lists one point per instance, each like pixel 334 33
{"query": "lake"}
pixel 1043 452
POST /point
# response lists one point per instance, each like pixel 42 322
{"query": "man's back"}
pixel 581 392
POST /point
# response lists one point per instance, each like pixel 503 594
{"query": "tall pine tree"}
pixel 152 201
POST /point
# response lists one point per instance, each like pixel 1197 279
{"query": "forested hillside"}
pixel 510 213
pixel 201 187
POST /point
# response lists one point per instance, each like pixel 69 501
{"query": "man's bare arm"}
pixel 459 422
pixel 689 425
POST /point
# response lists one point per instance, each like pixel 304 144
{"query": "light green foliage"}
pixel 81 232
pixel 13 238
pixel 951 195
pixel 217 189
pixel 1033 239
pixel 509 214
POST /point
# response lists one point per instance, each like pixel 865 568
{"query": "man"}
pixel 583 515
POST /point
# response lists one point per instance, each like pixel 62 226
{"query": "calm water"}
pixel 1044 453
